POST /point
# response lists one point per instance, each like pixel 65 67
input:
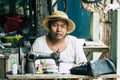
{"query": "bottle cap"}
pixel 14 62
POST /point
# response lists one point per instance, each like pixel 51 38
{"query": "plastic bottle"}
pixel 14 68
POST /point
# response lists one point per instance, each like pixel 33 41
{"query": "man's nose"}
pixel 59 28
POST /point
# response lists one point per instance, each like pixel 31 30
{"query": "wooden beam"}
pixel 115 51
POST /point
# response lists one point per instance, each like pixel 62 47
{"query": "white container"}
pixel 14 68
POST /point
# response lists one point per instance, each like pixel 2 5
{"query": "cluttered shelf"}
pixel 88 46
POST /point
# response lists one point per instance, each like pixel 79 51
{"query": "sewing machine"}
pixel 26 61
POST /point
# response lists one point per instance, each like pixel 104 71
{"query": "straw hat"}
pixel 59 15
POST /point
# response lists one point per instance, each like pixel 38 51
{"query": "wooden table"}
pixel 102 48
pixel 56 76
pixel 88 48
pixel 93 47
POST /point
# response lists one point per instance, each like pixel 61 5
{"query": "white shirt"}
pixel 73 54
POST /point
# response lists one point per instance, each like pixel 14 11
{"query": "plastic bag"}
pixel 95 68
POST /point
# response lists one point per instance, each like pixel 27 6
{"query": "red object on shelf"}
pixel 14 22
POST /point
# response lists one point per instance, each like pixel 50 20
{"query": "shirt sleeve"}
pixel 35 46
pixel 39 45
pixel 80 55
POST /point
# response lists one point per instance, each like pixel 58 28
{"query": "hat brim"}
pixel 71 25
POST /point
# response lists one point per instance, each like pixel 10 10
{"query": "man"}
pixel 71 52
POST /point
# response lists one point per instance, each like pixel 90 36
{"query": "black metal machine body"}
pixel 26 60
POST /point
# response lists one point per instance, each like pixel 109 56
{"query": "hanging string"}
pixel 64 5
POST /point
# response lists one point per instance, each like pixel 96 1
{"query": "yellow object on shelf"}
pixel 13 40
pixel 39 72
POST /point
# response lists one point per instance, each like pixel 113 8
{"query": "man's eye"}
pixel 54 25
pixel 63 26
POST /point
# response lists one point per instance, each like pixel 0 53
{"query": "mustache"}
pixel 58 33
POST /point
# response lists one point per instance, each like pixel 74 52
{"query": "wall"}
pixel 79 15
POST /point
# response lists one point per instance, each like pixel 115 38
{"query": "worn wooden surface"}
pixel 96 48
pixel 2 67
pixel 57 76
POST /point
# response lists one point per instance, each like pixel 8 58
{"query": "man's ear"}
pixel 67 30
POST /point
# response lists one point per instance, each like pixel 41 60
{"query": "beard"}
pixel 56 36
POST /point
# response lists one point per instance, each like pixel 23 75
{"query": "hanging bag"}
pixel 13 22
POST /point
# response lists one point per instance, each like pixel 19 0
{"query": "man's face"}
pixel 58 29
